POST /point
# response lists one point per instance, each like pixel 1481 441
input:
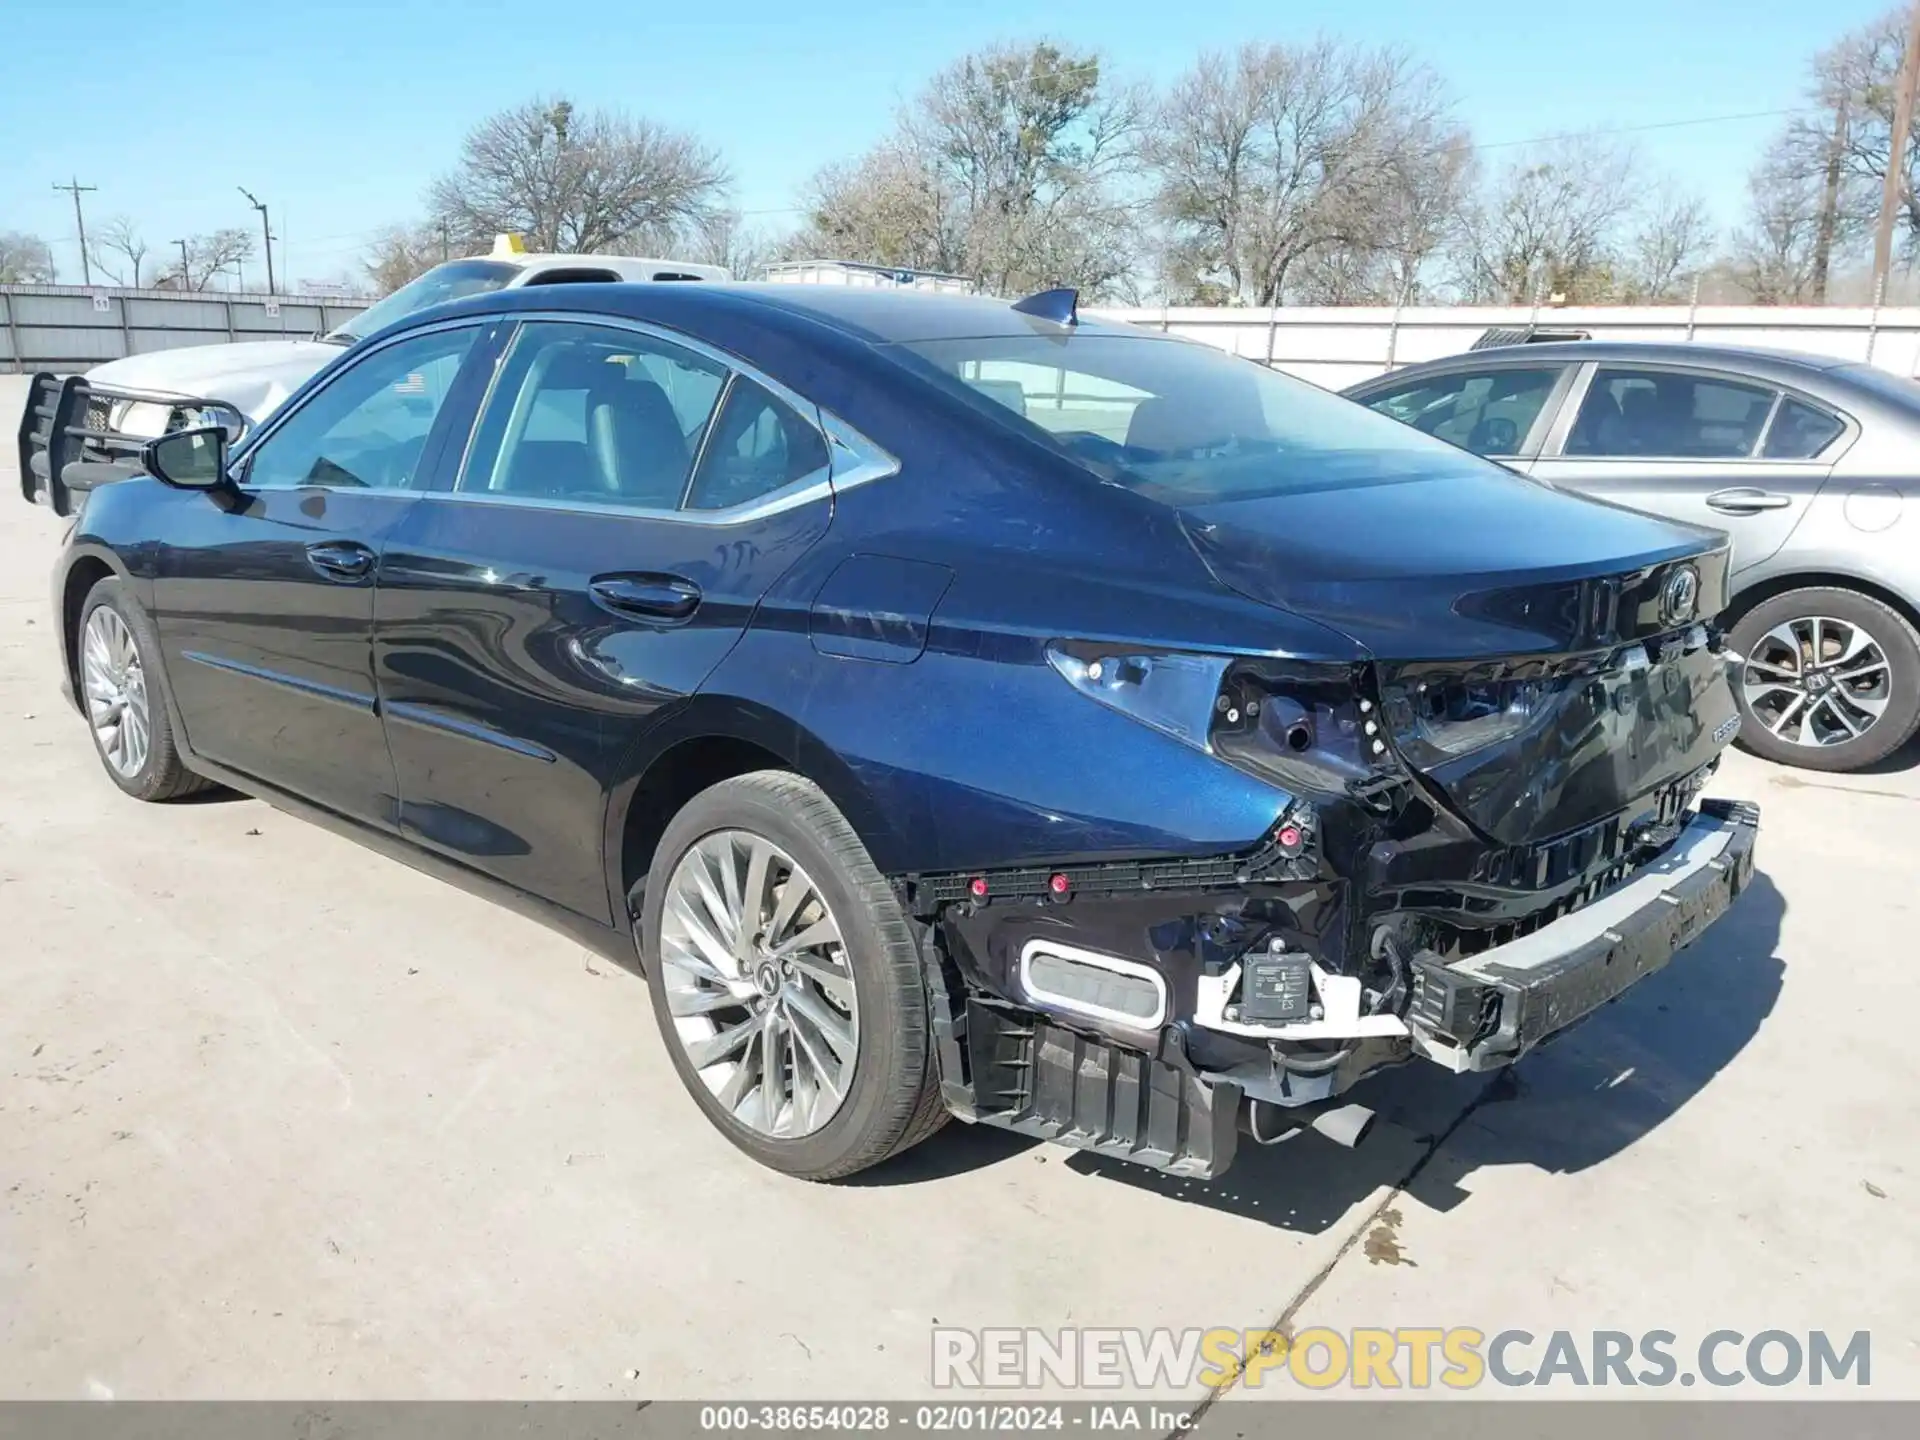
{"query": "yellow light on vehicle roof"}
pixel 509 244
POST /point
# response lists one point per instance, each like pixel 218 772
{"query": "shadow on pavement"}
pixel 1584 1099
pixel 1907 757
pixel 1571 1104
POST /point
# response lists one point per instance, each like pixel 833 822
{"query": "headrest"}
pixel 582 367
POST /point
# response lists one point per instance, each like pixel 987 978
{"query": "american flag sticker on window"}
pixel 414 384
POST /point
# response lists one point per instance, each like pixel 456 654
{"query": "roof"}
pixel 876 316
pixel 1668 352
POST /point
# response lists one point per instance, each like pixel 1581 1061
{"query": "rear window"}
pixel 1182 422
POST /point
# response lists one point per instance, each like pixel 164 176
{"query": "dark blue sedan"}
pixel 951 707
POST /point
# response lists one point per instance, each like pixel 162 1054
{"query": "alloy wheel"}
pixel 759 984
pixel 1816 681
pixel 116 691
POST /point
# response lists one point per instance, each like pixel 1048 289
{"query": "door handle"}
pixel 651 597
pixel 346 560
pixel 1745 500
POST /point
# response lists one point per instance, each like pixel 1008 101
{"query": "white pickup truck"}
pixel 255 376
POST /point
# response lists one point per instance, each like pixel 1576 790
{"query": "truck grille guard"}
pixel 68 444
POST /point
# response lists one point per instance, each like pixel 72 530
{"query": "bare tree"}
pixel 119 252
pixel 1776 258
pixel 578 181
pixel 1326 168
pixel 208 256
pixel 1862 72
pixel 744 250
pixel 25 259
pixel 887 208
pixel 1671 243
pixel 402 253
pixel 1548 225
pixel 1006 169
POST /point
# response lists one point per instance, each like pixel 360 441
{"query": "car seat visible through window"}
pixel 602 434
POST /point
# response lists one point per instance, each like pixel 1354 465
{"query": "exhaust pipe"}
pixel 1345 1125
pixel 1269 1124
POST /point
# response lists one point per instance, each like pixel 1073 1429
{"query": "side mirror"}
pixel 189 459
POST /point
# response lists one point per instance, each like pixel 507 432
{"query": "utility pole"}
pixel 1830 201
pixel 185 282
pixel 1894 190
pixel 267 234
pixel 76 189
pixel 446 247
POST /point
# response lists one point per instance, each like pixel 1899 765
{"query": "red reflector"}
pixel 979 887
pixel 1058 884
pixel 1290 837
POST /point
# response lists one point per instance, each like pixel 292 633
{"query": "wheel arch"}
pixel 83 570
pixel 710 739
pixel 1761 591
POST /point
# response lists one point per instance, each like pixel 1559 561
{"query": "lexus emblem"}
pixel 1679 595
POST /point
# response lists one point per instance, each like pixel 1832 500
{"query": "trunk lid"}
pixel 1540 656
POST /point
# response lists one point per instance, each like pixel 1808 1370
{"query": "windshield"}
pixel 1182 422
pixel 442 283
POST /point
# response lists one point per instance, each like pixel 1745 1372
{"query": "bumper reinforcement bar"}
pixel 1489 1010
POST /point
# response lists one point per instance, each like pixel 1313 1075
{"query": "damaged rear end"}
pixel 1486 830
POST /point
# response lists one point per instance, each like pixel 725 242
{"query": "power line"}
pixel 1639 129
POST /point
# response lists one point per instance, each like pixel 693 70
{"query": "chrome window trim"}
pixel 804 491
pixel 244 460
pixel 864 461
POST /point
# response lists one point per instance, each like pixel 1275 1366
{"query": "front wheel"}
pixel 786 981
pixel 125 697
pixel 1828 679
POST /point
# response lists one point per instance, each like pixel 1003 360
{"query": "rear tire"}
pixel 125 698
pixel 1818 665
pixel 725 980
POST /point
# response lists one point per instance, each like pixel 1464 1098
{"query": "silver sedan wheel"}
pixel 1817 681
pixel 758 984
pixel 116 692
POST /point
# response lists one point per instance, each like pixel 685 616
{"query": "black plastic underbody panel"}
pixel 1005 1066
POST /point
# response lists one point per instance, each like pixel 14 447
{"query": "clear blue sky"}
pixel 337 113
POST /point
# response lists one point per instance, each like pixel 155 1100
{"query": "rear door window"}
pixel 1669 415
pixel 583 414
pixel 759 445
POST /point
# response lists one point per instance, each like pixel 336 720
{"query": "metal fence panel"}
pixel 1340 346
pixel 74 327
